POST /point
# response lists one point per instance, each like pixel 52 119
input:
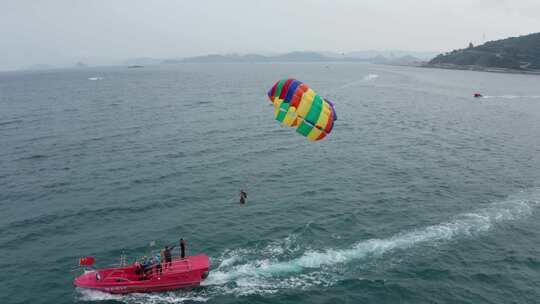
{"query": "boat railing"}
pixel 180 264
pixel 177 266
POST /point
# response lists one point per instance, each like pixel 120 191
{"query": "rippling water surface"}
pixel 422 194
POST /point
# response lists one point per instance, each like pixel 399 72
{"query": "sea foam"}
pixel 464 225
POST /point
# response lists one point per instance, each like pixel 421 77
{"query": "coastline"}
pixel 477 68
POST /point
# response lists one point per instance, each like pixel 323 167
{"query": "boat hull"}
pixel 182 273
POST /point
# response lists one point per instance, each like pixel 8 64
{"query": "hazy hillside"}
pixel 519 53
pixel 293 57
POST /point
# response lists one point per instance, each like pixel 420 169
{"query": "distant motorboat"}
pixel 477 95
pixel 135 66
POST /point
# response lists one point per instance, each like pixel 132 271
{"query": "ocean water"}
pixel 421 194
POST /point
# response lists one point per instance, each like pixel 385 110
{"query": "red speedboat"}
pixel 186 272
pixel 477 95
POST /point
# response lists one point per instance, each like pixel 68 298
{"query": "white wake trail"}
pixel 512 96
pixel 87 295
pixel 367 78
pixel 371 77
pixel 463 225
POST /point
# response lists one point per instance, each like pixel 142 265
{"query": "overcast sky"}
pixel 60 32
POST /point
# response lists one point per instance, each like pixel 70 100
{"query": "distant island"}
pixel 388 57
pixel 370 57
pixel 515 54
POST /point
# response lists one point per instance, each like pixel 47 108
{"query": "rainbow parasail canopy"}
pixel 297 105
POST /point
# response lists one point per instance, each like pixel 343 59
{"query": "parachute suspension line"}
pixel 247 176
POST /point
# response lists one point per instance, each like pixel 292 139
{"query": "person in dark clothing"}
pixel 182 248
pixel 243 196
pixel 168 256
pixel 163 258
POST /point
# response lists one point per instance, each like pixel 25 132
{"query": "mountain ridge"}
pixel 297 56
pixel 514 53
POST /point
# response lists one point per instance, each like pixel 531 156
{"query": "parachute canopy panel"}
pixel 297 105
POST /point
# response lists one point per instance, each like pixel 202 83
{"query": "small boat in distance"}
pixel 181 273
pixel 477 95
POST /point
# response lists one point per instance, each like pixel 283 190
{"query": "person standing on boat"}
pixel 168 256
pixel 146 265
pixel 157 262
pixel 163 257
pixel 182 248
